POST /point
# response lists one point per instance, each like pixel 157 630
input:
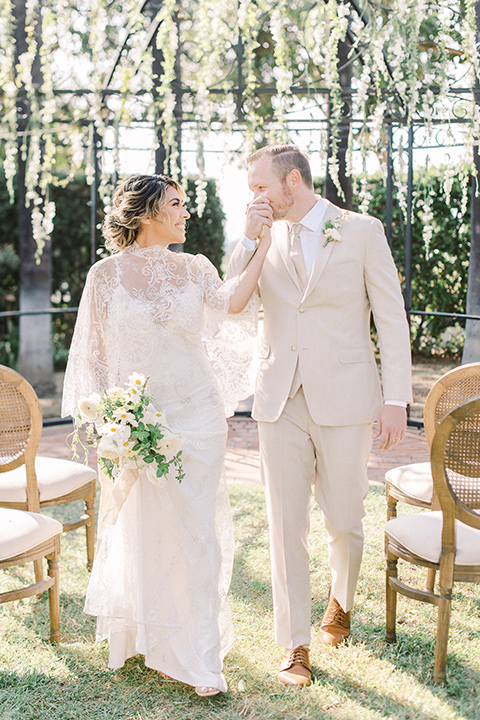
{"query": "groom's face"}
pixel 263 181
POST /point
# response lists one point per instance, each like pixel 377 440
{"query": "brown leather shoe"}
pixel 295 668
pixel 335 625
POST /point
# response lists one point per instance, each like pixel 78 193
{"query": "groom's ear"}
pixel 294 178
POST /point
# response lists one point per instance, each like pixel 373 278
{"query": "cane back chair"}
pixel 445 540
pixel 59 482
pixel 413 483
pixel 26 535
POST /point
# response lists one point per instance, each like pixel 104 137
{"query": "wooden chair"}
pixel 445 540
pixel 59 481
pixel 413 483
pixel 26 535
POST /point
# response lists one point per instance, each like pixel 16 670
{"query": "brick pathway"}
pixel 242 461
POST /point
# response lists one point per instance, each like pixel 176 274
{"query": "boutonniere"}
pixel 331 229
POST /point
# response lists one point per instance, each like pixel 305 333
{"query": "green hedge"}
pixel 439 268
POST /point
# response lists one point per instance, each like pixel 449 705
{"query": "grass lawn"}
pixel 365 679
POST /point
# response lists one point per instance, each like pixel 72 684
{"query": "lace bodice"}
pixel 164 314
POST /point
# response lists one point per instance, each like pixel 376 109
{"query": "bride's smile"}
pixel 169 225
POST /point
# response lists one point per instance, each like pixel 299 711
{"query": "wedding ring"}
pixel 398 438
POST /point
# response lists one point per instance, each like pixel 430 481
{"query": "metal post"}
pixel 342 197
pixel 94 198
pixel 389 197
pixel 240 85
pixel 177 88
pixel 408 230
pixel 157 71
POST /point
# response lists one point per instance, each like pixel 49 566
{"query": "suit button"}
pixel 301 310
pixel 293 348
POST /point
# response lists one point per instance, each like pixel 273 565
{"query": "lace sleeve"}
pixel 86 370
pixel 230 340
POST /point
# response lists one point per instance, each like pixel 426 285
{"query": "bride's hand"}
pixel 265 237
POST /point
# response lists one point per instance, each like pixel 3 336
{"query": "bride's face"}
pixel 170 223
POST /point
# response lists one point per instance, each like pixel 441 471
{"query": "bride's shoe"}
pixel 204 691
pixel 165 677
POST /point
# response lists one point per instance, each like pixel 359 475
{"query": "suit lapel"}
pixel 282 240
pixel 323 253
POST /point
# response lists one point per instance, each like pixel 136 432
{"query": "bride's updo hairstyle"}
pixel 139 197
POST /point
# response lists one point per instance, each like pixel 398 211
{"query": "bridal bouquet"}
pixel 129 432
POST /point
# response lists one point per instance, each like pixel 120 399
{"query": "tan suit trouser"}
pixel 301 460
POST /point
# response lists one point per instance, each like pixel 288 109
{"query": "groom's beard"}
pixel 280 209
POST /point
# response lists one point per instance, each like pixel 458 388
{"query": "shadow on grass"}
pixel 414 653
pixel 91 691
pixel 382 704
pixel 251 570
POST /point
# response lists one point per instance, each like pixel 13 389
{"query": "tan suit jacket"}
pixel 325 327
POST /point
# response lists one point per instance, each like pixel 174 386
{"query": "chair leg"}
pixel 38 568
pixel 54 594
pixel 391 599
pixel 391 506
pixel 90 532
pixel 430 582
pixel 443 624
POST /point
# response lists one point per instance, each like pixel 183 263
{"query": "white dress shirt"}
pixel 310 232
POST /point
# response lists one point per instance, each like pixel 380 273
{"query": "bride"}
pixel 163 565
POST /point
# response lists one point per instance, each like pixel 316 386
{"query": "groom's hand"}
pixel 391 426
pixel 258 214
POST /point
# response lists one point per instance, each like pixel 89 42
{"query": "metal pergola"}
pixel 397 121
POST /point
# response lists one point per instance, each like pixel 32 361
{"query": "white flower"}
pixel 151 473
pixel 88 406
pixel 333 235
pixel 127 448
pixel 331 229
pixel 123 416
pixel 109 454
pixel 169 445
pixel 115 433
pixel 136 382
pixel 114 392
pixel 152 415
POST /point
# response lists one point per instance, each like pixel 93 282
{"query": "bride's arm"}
pixel 248 279
pixel 86 370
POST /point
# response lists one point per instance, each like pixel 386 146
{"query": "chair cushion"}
pixel 21 531
pixel 421 534
pixel 55 477
pixel 414 480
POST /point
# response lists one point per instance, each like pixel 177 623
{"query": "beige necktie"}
pixel 297 255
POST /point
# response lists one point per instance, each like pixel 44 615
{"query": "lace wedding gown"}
pixel 162 570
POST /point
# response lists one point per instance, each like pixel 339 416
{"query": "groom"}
pixel 318 391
